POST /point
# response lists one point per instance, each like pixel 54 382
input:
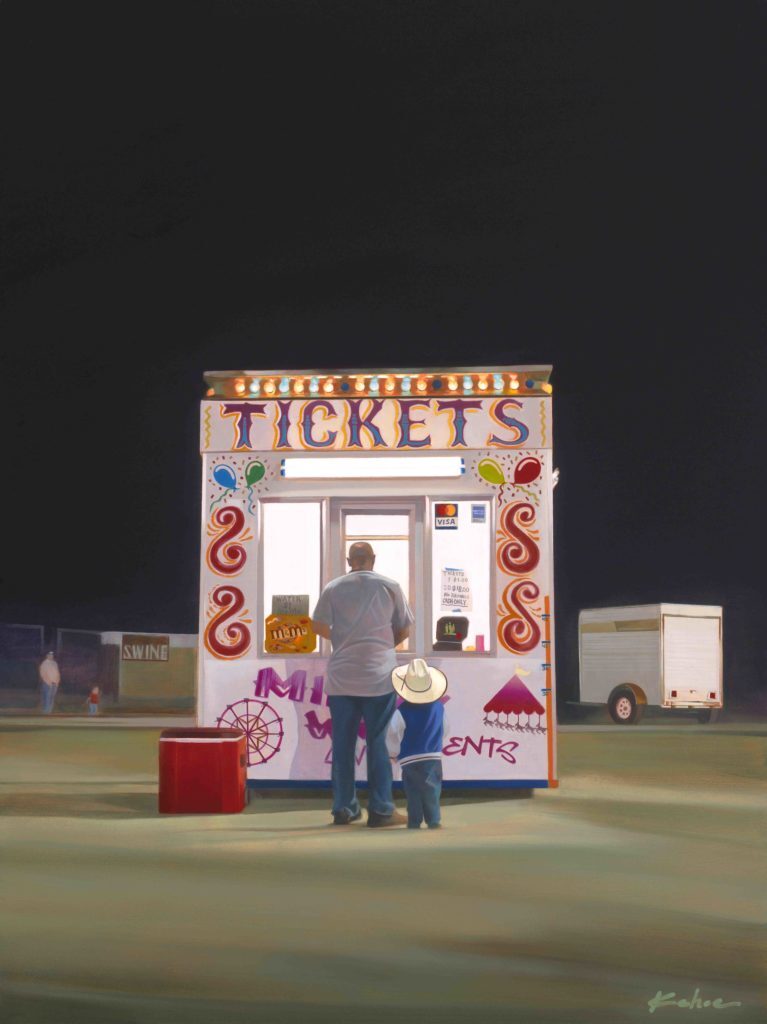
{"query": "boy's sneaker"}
pixel 345 817
pixel 376 820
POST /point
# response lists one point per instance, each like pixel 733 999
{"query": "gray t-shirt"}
pixel 363 611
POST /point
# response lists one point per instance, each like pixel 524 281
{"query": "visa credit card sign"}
pixel 446 515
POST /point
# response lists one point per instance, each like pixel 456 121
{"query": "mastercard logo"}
pixel 444 510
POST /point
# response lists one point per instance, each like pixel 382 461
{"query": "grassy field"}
pixel 645 871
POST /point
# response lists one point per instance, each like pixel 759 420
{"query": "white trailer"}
pixel 660 655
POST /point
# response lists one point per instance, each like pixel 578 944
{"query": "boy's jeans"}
pixel 346 714
pixel 423 784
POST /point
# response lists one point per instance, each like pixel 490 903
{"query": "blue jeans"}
pixel 48 697
pixel 422 781
pixel 346 714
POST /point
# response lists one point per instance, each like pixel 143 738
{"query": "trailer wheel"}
pixel 708 715
pixel 623 707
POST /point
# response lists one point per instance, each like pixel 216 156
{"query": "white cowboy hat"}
pixel 418 683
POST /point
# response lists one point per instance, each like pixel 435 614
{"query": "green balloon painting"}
pixel 254 471
pixel 490 471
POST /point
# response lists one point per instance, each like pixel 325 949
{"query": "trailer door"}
pixel 692 660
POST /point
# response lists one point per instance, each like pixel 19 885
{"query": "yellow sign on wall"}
pixel 289 634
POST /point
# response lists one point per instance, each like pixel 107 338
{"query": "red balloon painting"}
pixel 527 470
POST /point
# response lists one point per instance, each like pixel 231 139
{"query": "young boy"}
pixel 93 701
pixel 415 737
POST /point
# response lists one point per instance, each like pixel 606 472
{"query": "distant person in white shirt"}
pixel 365 616
pixel 50 677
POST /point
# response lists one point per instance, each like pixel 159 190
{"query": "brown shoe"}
pixel 376 820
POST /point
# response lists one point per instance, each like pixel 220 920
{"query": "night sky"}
pixel 232 184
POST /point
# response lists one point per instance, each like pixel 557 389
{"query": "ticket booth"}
pixel 448 475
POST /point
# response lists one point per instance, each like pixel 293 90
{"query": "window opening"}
pixel 389 534
pixel 292 542
pixel 461 576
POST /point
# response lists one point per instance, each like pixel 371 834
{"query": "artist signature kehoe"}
pixel 696 1003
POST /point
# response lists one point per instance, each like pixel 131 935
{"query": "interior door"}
pixel 393 530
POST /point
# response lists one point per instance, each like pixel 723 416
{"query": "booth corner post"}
pixel 447 473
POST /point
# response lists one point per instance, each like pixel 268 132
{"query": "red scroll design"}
pixel 517 630
pixel 518 554
pixel 224 557
pixel 233 640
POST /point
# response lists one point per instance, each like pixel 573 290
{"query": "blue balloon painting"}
pixel 225 477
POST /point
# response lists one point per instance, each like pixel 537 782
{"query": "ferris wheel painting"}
pixel 260 723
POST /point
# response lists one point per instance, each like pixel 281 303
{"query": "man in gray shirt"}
pixel 365 616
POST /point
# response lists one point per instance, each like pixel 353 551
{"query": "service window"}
pixel 461 575
pixel 389 534
pixel 292 542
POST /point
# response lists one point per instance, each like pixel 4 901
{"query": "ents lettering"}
pixel 463 745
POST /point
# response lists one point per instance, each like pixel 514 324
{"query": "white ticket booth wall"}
pixel 448 474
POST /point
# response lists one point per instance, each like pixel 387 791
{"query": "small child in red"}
pixel 93 701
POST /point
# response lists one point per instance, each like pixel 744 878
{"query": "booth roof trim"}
pixel 387 383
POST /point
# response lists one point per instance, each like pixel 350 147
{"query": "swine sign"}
pixel 138 647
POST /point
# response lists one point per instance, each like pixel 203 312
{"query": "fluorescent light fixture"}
pixel 372 467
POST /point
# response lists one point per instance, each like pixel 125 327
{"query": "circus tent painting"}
pixel 514 699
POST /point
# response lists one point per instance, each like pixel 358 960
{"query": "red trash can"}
pixel 202 771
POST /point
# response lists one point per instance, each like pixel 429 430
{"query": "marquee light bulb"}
pixel 314 385
pixel 514 384
pixel 452 383
pixel 548 388
pixel 284 386
pixel 359 384
pixel 298 387
pixel 467 383
pixel 405 385
pixel 482 383
pixel 255 387
pixel 389 385
pixel 239 387
pixel 421 384
pixel 498 382
pixel 327 387
pixel 374 383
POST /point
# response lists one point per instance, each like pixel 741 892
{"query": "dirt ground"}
pixel 644 872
